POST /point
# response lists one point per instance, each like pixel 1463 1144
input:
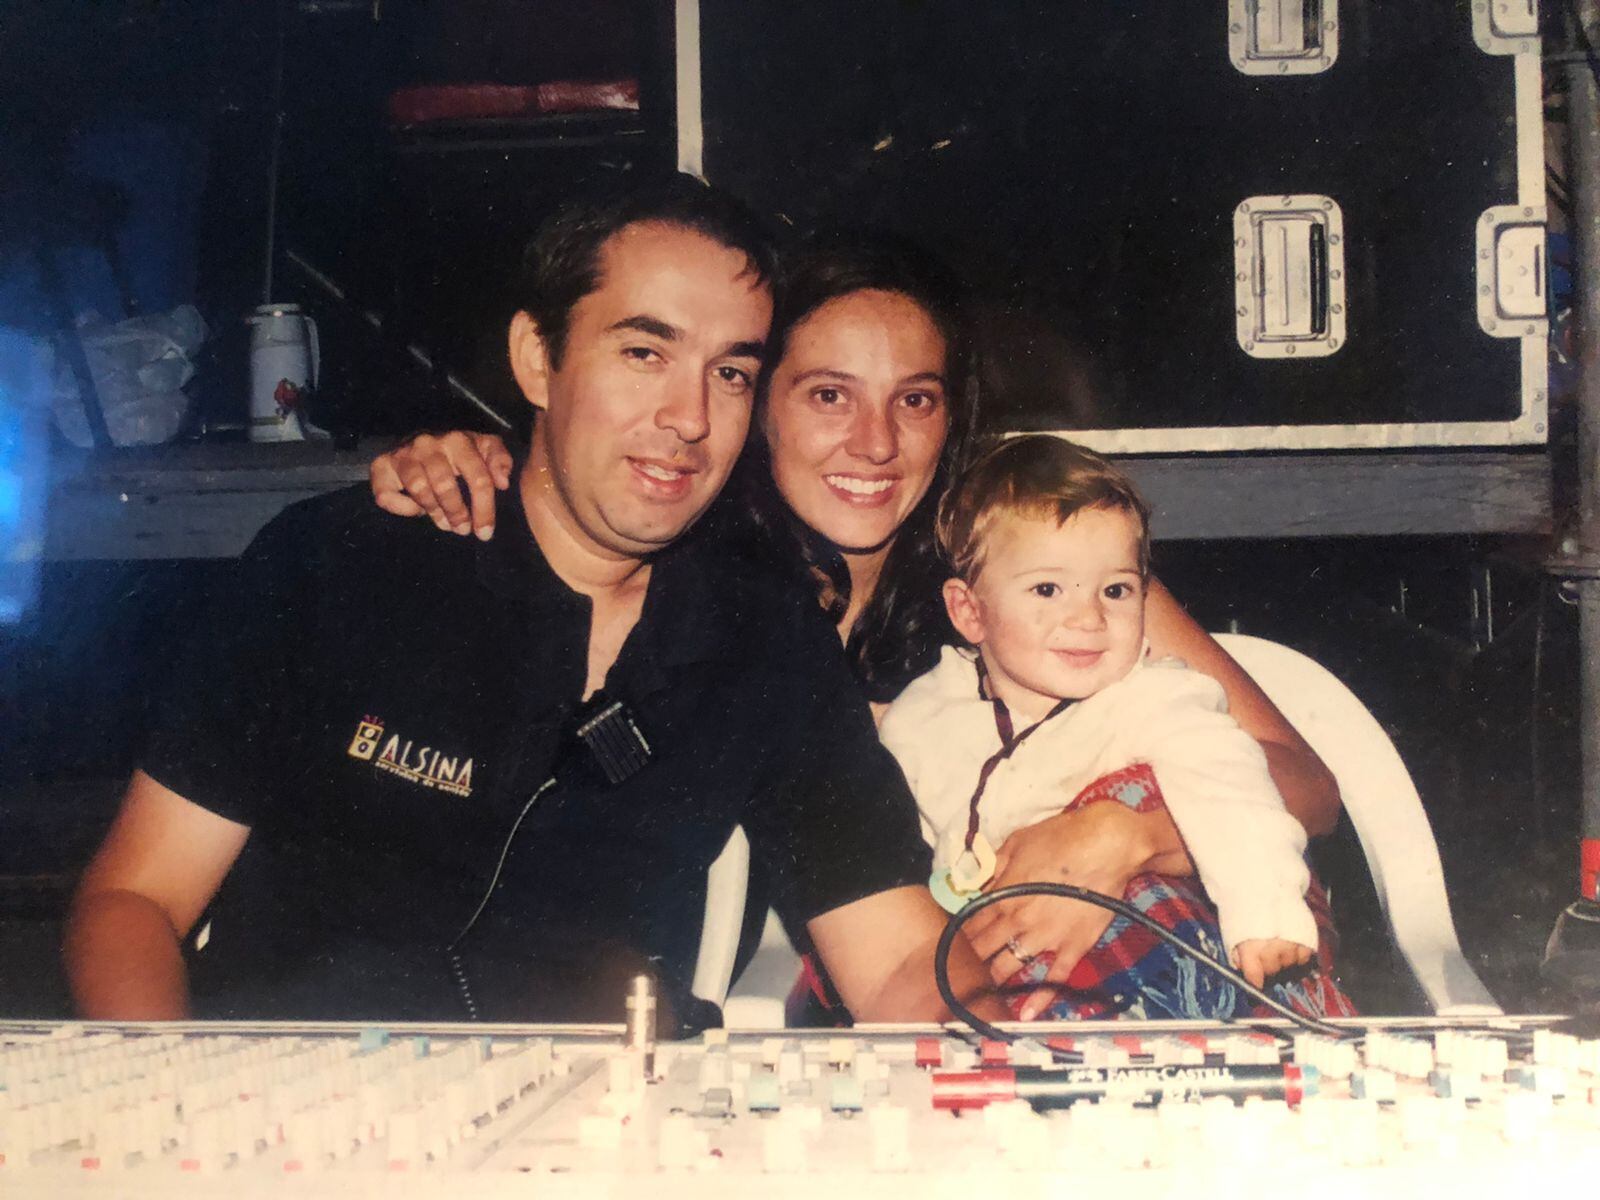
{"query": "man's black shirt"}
pixel 379 702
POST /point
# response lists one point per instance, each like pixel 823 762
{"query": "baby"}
pixel 1049 545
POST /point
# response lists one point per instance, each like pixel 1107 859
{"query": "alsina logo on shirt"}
pixel 424 765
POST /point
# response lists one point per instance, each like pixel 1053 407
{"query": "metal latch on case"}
pixel 1283 37
pixel 1289 277
pixel 1512 270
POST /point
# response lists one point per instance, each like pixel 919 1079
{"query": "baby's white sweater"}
pixel 1248 850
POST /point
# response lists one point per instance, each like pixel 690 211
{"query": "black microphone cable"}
pixel 1066 891
pixel 457 969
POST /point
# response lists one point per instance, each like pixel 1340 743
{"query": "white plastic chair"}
pixel 1384 808
pixel 757 1000
pixel 727 884
pixel 1378 794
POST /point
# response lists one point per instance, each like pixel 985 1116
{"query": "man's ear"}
pixel 966 614
pixel 530 360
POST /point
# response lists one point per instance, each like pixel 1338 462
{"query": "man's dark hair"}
pixel 562 263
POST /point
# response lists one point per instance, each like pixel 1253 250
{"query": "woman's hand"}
pixel 1099 846
pixel 420 477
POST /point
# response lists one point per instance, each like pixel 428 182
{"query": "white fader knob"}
pixel 304 1137
pixel 20 1136
pixel 783 1146
pixel 641 1023
pixel 205 1149
pixel 680 1144
pixel 891 1137
pixel 403 1151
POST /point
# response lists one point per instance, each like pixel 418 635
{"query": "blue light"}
pixel 24 462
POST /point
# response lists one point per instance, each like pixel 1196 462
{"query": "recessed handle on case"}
pixel 1289 273
pixel 1513 298
pixel 1283 37
pixel 1279 27
pixel 1506 26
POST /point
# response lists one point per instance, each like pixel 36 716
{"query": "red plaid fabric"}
pixel 1130 971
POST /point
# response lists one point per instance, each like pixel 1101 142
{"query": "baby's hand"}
pixel 1258 959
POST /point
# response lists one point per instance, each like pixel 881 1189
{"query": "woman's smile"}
pixel 858 490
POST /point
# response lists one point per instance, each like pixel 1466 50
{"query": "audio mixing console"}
pixel 1423 1108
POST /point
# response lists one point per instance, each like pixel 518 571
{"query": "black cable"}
pixel 1066 891
pixel 1558 190
pixel 458 970
pixel 494 880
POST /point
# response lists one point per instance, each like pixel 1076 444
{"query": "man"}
pixel 370 776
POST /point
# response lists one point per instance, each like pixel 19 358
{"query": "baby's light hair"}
pixel 1035 476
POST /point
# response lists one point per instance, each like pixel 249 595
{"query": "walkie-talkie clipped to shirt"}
pixel 607 729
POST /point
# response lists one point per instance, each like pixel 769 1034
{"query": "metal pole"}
pixel 275 151
pixel 1572 957
pixel 686 53
pixel 1584 126
pixel 416 353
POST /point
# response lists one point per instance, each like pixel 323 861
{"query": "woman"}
pixel 864 409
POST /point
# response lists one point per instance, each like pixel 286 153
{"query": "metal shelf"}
pixel 208 501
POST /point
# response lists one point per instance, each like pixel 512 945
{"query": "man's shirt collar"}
pixel 691 607
pixel 510 564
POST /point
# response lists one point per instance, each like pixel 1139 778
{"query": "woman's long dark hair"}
pixel 899 632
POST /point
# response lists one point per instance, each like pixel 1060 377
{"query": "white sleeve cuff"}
pixel 1283 914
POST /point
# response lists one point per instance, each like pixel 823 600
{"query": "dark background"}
pixel 1081 164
